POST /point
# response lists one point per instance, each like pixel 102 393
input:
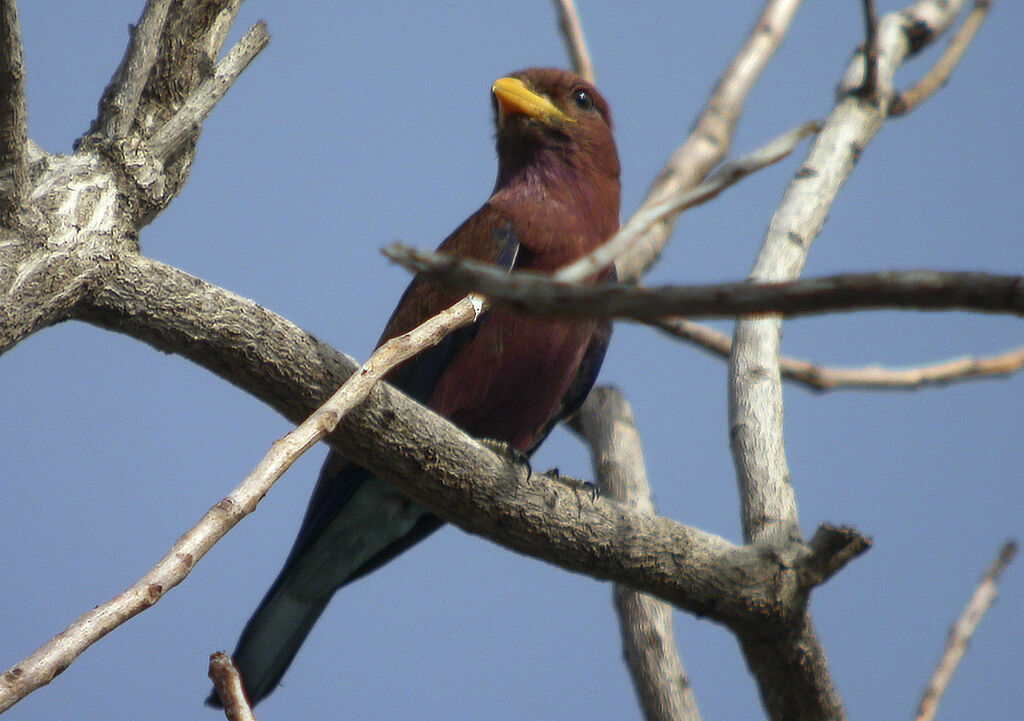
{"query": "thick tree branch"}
pixel 13 113
pixel 427 457
pixel 421 453
pixel 756 395
pixel 42 277
pixel 540 294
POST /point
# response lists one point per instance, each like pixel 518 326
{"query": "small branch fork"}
pixel 183 125
pixel 116 166
pixel 910 99
pixel 709 142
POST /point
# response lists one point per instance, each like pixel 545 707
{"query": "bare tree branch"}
pixel 825 378
pixel 228 684
pixel 288 369
pixel 606 422
pixel 910 99
pixel 792 671
pixel 13 113
pixel 572 30
pixel 425 456
pixel 962 631
pixel 756 405
pixel 672 204
pixel 712 134
pixel 120 101
pixel 878 378
pixel 40 282
pixel 541 295
pixel 42 666
pixel 190 116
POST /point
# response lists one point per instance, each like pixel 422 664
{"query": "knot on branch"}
pixel 142 177
pixel 831 548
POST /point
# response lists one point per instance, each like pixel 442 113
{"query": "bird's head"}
pixel 553 120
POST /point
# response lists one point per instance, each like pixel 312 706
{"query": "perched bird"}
pixel 508 378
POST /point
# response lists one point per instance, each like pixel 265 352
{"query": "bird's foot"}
pixel 576 484
pixel 509 452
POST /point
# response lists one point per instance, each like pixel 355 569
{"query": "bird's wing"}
pixel 356 522
pixel 485 236
pixel 587 373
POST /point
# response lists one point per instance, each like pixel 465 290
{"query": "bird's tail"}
pixel 354 524
pixel 272 638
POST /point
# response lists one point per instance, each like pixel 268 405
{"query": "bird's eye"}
pixel 583 99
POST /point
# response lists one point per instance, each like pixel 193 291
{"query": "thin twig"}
pixel 869 88
pixel 190 116
pixel 674 203
pixel 963 629
pixel 57 654
pixel 826 378
pixel 712 134
pixel 121 99
pixel 228 683
pixel 572 30
pixel 910 99
pixel 13 114
pixel 606 423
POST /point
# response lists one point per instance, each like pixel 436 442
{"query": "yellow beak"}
pixel 514 97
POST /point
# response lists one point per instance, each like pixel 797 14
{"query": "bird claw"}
pixel 509 452
pixel 576 483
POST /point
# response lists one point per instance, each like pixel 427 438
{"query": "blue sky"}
pixel 366 123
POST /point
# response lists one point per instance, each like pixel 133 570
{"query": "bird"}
pixel 508 378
